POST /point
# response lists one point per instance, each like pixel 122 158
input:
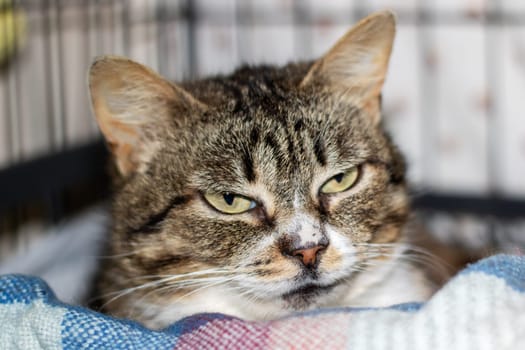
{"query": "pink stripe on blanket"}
pixel 226 334
pixel 312 331
pixel 321 331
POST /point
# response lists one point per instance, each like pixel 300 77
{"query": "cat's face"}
pixel 257 194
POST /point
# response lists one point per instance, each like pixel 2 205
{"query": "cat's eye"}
pixel 229 203
pixel 340 182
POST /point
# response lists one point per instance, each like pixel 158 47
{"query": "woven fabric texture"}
pixel 483 307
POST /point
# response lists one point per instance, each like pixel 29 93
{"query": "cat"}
pixel 265 192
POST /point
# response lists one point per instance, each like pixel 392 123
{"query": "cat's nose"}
pixel 308 256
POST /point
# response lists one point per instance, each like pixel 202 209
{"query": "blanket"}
pixel 483 307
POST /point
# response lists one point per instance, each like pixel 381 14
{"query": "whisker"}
pixel 401 251
pixel 205 287
pixel 169 278
pixel 414 255
pixel 188 274
pixel 173 287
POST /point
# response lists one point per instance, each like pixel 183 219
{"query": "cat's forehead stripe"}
pixel 319 150
pixel 248 166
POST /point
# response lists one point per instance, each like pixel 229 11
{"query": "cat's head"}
pixel 257 194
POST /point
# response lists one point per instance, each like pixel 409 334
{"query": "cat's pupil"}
pixel 339 177
pixel 228 198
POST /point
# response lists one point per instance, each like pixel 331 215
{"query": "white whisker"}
pixel 167 279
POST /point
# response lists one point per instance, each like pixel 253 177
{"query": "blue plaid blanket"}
pixel 483 307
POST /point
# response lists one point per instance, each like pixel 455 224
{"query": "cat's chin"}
pixel 217 300
pixel 387 286
pixel 305 296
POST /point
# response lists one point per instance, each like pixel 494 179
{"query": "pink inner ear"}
pixel 356 66
pixel 124 141
pixel 131 104
pixel 123 154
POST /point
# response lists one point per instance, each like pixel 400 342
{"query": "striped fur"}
pixel 272 134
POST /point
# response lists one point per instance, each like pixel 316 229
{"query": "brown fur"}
pixel 271 134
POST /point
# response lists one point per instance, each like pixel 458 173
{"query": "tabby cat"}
pixel 258 194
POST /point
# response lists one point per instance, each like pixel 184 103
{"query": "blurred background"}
pixel 454 99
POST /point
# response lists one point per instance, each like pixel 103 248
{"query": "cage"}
pixel 452 100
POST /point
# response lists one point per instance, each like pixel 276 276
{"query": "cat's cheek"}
pixel 339 256
pixel 387 234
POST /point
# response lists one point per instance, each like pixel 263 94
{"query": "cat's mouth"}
pixel 302 297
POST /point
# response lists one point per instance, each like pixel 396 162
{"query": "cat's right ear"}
pixel 134 106
pixel 356 66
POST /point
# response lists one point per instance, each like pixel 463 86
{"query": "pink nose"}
pixel 309 255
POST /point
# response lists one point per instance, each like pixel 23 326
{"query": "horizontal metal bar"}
pixel 499 207
pixel 248 15
pixel 51 174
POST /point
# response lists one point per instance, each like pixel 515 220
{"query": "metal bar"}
pixel 428 107
pixel 302 40
pixel 126 28
pixel 404 16
pixel 192 19
pixel 50 107
pixel 61 73
pixel 56 172
pixel 17 97
pixel 503 208
pixel 492 81
pixel 9 116
pixel 242 30
pixel 161 13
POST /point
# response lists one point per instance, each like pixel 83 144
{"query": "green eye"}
pixel 229 203
pixel 340 182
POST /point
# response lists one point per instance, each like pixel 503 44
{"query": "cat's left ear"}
pixel 135 109
pixel 355 67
